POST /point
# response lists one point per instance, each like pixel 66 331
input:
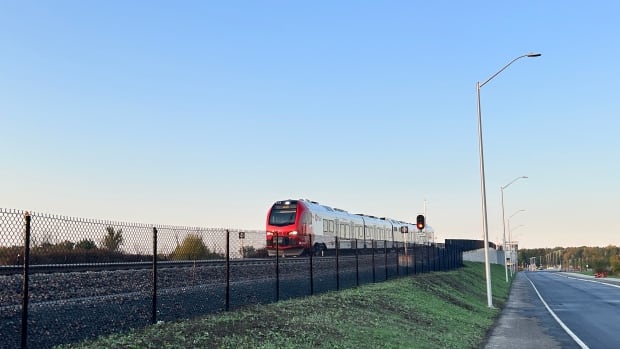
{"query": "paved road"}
pixel 558 310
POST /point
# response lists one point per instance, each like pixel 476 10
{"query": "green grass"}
pixel 435 310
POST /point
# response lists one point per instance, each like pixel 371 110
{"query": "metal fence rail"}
pixel 66 279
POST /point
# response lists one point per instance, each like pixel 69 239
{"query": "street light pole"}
pixel 512 271
pixel 504 225
pixel 485 226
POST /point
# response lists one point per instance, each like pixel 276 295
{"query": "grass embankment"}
pixel 436 310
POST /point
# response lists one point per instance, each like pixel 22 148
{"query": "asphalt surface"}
pixel 583 313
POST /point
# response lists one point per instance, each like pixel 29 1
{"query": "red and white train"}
pixel 298 227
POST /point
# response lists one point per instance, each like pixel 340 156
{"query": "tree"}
pixel 66 245
pixel 113 239
pixel 192 248
pixel 614 262
pixel 86 244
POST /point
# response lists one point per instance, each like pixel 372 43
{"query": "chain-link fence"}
pixel 66 279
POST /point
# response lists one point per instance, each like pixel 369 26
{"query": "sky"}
pixel 204 113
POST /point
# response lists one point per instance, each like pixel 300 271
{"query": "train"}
pixel 302 227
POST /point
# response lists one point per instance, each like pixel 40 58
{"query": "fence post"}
pixel 386 259
pixel 25 295
pixel 406 258
pixel 227 269
pixel 277 267
pixel 311 266
pixel 395 244
pixel 415 260
pixel 337 264
pixel 372 244
pixel 154 288
pixel 357 266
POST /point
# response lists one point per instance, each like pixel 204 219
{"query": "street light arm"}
pixel 515 214
pixel 514 180
pixel 507 65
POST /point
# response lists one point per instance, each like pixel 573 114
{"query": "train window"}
pixel 282 217
pixel 343 231
pixel 325 225
pixel 357 230
pixel 331 226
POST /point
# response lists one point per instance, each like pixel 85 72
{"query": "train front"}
pixel 286 230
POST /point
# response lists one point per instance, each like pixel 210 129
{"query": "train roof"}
pixel 316 205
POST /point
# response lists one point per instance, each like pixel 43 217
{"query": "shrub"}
pixel 86 244
pixel 11 255
pixel 193 248
pixel 251 252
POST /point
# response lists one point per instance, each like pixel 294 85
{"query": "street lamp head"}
pixel 533 55
pixel 524 177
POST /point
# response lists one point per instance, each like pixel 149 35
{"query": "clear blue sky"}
pixel 203 113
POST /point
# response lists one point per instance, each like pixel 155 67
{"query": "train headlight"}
pixel 293 233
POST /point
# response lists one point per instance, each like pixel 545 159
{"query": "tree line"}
pixel 109 249
pixel 584 258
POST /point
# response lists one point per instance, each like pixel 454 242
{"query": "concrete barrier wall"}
pixel 495 256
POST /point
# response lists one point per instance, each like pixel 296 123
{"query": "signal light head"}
pixel 420 222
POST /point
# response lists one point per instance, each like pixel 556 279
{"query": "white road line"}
pixel 593 281
pixel 566 329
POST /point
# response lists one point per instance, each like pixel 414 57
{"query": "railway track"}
pixel 82 267
pixel 78 267
pixel 69 303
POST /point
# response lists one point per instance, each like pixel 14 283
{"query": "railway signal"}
pixel 420 222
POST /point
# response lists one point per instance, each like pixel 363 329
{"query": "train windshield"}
pixel 282 215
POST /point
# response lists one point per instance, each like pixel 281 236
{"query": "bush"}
pixel 85 244
pixel 251 252
pixel 599 265
pixel 193 248
pixel 11 255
